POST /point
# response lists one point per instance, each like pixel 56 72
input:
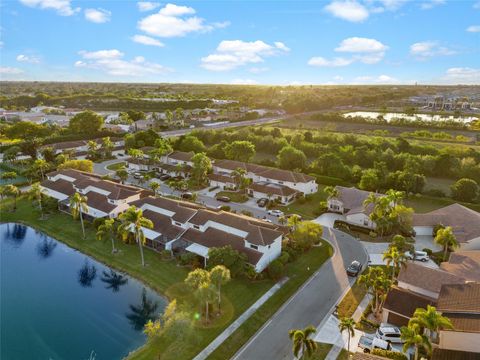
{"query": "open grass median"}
pixel 298 272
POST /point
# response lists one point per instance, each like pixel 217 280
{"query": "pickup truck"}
pixel 368 343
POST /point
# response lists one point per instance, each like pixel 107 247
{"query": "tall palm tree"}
pixel 107 229
pixel 122 174
pixel 78 206
pixel 431 321
pixel 154 186
pixel 411 337
pixel 446 238
pixel 107 146
pixel 219 276
pixel 35 193
pixel 40 165
pixel 239 176
pixel 207 294
pixel 331 191
pixel 293 221
pixel 133 221
pixel 302 344
pixel 395 196
pixel 347 324
pixel 392 256
pixel 12 191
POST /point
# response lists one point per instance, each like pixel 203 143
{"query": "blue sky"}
pixel 253 42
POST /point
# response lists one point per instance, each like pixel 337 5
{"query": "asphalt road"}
pixel 310 305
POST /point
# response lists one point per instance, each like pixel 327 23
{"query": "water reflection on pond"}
pixel 65 305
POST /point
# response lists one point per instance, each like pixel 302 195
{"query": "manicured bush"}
pixel 98 222
pixel 276 269
pixel 389 354
pixel 284 257
pixel 225 208
pixel 187 259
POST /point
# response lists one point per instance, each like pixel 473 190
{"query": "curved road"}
pixel 313 302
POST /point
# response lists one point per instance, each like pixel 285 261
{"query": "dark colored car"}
pixel 262 202
pixel 165 177
pixel 187 195
pixel 223 198
pixel 354 268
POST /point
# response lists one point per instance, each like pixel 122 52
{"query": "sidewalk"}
pixel 240 320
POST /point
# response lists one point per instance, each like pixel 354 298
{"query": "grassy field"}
pixel 116 166
pixel 423 204
pixel 158 274
pixel 322 351
pixel 298 272
pixel 439 183
pixel 351 300
pixel 235 196
pixel 307 208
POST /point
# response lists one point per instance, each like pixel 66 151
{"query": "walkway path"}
pixel 240 320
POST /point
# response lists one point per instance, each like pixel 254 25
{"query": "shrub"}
pixel 187 258
pixel 435 193
pixel 165 255
pixel 284 257
pixel 246 213
pixel 98 222
pixel 276 269
pixel 389 354
pixel 225 208
pixel 428 251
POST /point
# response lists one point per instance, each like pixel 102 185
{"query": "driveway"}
pixel 328 219
pixel 313 303
pixel 376 250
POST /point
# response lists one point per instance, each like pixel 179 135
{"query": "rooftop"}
pixel 405 302
pixel 460 298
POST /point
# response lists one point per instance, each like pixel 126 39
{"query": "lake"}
pixel 423 117
pixel 57 303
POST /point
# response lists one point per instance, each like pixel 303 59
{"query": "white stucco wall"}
pixel 462 341
pixel 423 230
pixel 269 254
pixel 360 219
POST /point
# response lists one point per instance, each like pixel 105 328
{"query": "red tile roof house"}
pixel 223 181
pixel 464 221
pixel 418 286
pixel 349 202
pixel 104 198
pixel 264 189
pixel 299 182
pixel 183 226
pixel 461 304
pixel 174 164
pixel 79 148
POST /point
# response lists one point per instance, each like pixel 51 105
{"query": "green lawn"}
pixel 159 275
pixel 235 196
pixel 440 184
pixel 321 352
pixel 423 203
pixel 116 166
pixel 351 300
pixel 298 272
pixel 309 207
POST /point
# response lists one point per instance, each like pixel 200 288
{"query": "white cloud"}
pixel 10 70
pixel 147 5
pixel 322 62
pixel 462 75
pixel 427 5
pixel 361 45
pixel 28 59
pixel 63 7
pixel 349 10
pixel 112 63
pixel 243 82
pixel 426 49
pixel 474 28
pixel 258 70
pixel 231 54
pixel 381 79
pixel 98 16
pixel 176 21
pixel 338 77
pixel 147 40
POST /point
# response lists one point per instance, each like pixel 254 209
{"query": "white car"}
pixel 417 255
pixel 277 213
pixel 389 333
pixel 369 343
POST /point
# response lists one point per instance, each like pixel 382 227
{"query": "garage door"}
pixel 423 230
pixel 397 320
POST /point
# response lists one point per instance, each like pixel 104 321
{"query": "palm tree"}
pixel 122 174
pixel 331 191
pixel 35 193
pixel 302 344
pixel 392 256
pixel 446 239
pixel 12 190
pixel 107 146
pixel 41 165
pixel 348 324
pixel 207 294
pixel 78 206
pixel 239 176
pixel 411 337
pixel 395 196
pixel 154 186
pixel 431 321
pixel 219 276
pixel 107 229
pixel 133 220
pixel 92 149
pixel 293 221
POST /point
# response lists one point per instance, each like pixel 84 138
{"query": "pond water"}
pixel 57 303
pixel 423 117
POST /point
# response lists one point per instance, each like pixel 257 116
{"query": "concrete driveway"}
pixel 328 219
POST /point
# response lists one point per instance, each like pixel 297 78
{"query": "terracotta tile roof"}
pixel 99 202
pixel 353 198
pixel 427 278
pixel 464 221
pixel 62 186
pixel 446 354
pixel 460 298
pixel 464 264
pixel 226 179
pixel 181 155
pixel 217 238
pixel 163 224
pixel 464 322
pixel 273 189
pixel 405 302
pixel 365 356
pixel 183 211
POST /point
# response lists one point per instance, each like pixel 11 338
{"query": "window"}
pixel 255 247
pixel 177 223
pixel 196 227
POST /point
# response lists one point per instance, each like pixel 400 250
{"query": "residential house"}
pixel 78 149
pixel 349 202
pixel 446 354
pixel 464 221
pixel 223 181
pixel 105 199
pixel 183 226
pixel 276 192
pixel 465 264
pixel 461 304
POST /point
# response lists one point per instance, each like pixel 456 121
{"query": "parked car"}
pixel 389 333
pixel 417 255
pixel 368 343
pixel 137 175
pixel 275 212
pixel 354 268
pixel 187 195
pixel 262 202
pixel 165 177
pixel 223 198
pixel 288 216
